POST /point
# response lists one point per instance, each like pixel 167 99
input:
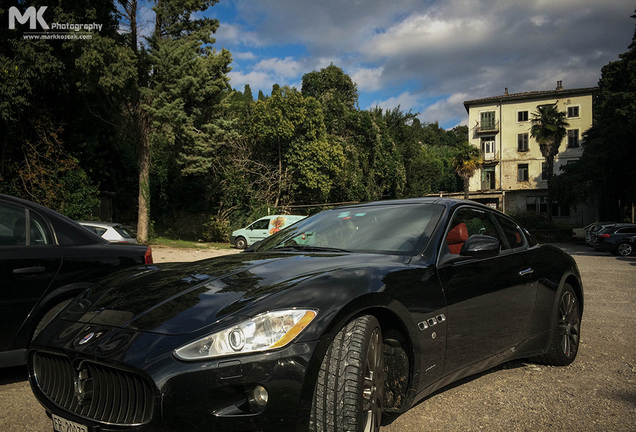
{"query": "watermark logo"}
pixel 31 14
pixel 35 16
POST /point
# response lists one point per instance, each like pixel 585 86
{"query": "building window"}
pixel 522 142
pixel 573 111
pixel 488 178
pixel 560 210
pixel 537 204
pixel 488 147
pixel 522 172
pixel 522 116
pixel 487 120
pixel 573 138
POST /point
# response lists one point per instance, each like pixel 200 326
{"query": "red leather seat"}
pixel 456 238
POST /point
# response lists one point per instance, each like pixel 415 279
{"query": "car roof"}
pixel 446 202
pixel 100 224
pixel 63 225
pixel 624 225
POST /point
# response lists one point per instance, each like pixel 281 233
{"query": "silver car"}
pixel 111 231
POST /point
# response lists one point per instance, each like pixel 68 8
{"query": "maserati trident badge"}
pixel 86 338
pixel 83 386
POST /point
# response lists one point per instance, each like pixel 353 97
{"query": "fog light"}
pixel 258 397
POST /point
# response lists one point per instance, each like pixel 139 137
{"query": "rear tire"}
pixel 624 249
pixel 564 342
pixel 350 386
pixel 240 243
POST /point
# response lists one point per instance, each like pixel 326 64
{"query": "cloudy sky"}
pixel 428 56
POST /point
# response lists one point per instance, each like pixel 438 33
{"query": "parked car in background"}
pixel 616 239
pixel 111 231
pixel 581 233
pixel 379 306
pixel 262 228
pixel 46 259
pixel 590 236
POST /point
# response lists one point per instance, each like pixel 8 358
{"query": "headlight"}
pixel 263 332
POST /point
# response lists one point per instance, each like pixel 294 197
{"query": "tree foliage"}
pixel 606 169
pixel 549 129
pixel 153 119
pixel 466 162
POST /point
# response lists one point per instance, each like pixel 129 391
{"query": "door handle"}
pixel 28 270
pixel 526 272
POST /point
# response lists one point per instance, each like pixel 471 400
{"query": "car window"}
pixel 40 234
pixel 261 224
pixel 467 222
pixel 628 230
pixel 13 227
pixel 390 229
pixel 512 233
pixel 96 230
pixel 123 231
pixel 13 222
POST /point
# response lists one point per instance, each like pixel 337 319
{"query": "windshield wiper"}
pixel 309 248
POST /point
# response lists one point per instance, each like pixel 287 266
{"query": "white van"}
pixel 264 227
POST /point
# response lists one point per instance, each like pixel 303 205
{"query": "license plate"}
pixel 62 425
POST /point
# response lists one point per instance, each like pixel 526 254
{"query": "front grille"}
pixel 94 391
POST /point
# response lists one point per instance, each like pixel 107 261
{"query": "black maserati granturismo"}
pixel 327 325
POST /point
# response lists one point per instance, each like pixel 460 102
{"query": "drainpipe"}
pixel 503 198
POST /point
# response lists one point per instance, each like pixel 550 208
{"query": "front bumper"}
pixel 190 396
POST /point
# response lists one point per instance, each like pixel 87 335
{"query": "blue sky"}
pixel 428 56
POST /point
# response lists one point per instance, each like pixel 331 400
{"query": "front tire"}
pixel 564 342
pixel 240 243
pixel 350 386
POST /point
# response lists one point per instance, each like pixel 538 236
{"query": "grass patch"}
pixel 186 244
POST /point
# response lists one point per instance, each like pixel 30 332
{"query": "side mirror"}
pixel 480 246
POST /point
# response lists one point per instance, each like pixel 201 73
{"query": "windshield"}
pixel 400 229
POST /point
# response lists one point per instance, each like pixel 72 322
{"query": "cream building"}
pixel 512 176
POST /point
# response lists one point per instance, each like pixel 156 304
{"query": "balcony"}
pixel 490 158
pixel 490 127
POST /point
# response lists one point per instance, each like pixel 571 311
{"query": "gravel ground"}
pixel 596 393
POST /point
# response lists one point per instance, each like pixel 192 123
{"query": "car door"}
pixel 259 230
pixel 489 300
pixel 29 261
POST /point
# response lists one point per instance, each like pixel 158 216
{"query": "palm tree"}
pixel 465 162
pixel 549 129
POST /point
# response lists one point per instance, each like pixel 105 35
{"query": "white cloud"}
pixel 241 55
pixel 234 34
pixel 447 111
pixel 405 101
pixel 286 68
pixel 419 34
pixel 367 79
pixel 257 80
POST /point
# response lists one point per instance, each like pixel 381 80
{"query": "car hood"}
pixel 183 298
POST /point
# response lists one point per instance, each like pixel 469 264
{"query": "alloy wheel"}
pixel 569 323
pixel 624 249
pixel 373 389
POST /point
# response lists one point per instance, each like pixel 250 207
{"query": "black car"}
pixel 593 230
pixel 47 259
pixel 344 316
pixel 616 239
